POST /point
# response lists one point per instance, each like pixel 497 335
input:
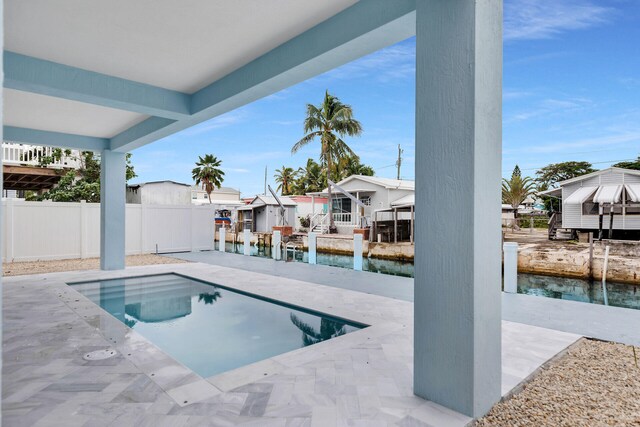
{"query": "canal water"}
pixel 619 294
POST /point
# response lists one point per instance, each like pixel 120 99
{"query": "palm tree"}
pixel 310 178
pixel 208 174
pixel 351 166
pixel 209 297
pixel 285 177
pixel 516 190
pixel 328 329
pixel 329 122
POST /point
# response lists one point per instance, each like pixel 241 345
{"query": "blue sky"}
pixel 571 92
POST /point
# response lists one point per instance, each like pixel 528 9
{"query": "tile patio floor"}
pixel 360 379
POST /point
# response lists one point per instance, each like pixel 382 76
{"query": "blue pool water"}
pixel 208 328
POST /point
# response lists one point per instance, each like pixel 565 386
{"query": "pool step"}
pixel 175 285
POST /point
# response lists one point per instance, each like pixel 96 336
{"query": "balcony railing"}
pixel 30 155
pixel 342 218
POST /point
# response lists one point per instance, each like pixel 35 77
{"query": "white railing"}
pixel 342 218
pixel 319 222
pixel 30 155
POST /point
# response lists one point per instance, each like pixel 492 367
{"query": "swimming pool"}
pixel 208 328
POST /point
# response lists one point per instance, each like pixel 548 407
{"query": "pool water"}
pixel 208 328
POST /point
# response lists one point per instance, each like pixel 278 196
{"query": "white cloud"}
pixel 598 142
pixel 236 170
pixel 543 19
pixel 508 94
pixel 392 63
pixel 548 107
pixel 630 82
pixel 228 119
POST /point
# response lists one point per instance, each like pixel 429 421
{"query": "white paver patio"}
pixel 362 378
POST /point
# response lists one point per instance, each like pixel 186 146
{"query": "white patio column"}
pixel 458 155
pixel 112 209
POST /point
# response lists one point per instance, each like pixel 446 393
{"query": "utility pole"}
pixel 265 180
pixel 399 161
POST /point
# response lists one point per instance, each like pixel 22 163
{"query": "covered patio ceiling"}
pixel 119 74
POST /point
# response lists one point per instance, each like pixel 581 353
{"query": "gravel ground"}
pixel 37 267
pixel 594 384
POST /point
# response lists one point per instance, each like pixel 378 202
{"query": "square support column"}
pixel 112 209
pixel 457 329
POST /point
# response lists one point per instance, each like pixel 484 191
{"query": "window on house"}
pixel 590 208
pixel 633 210
pixel 341 205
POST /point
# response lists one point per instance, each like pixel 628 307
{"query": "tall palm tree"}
pixel 516 190
pixel 329 122
pixel 285 177
pixel 208 174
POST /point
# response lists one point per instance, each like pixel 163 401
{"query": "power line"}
pixel 384 167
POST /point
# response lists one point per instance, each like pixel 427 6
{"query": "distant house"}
pixel 21 170
pixel 264 212
pixel 588 201
pixel 308 206
pixel 225 196
pixel 378 195
pixel 159 193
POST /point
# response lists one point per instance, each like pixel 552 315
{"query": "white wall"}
pixel 51 230
pixel 160 193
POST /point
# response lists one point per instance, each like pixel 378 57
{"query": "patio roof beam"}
pixel 34 75
pixel 54 139
pixel 361 29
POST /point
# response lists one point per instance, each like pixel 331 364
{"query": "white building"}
pixel 589 200
pixel 21 170
pixel 264 212
pixel 376 194
pixel 159 193
pixel 225 196
pixel 309 206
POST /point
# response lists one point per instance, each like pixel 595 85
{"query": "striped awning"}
pixel 581 195
pixel 608 194
pixel 633 192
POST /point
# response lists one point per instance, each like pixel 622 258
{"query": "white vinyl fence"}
pixel 53 230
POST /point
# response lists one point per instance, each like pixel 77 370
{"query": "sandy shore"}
pixel 37 267
pixel 594 384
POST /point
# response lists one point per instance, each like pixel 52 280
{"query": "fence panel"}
pixel 49 230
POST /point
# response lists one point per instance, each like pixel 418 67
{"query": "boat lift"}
pixel 282 208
